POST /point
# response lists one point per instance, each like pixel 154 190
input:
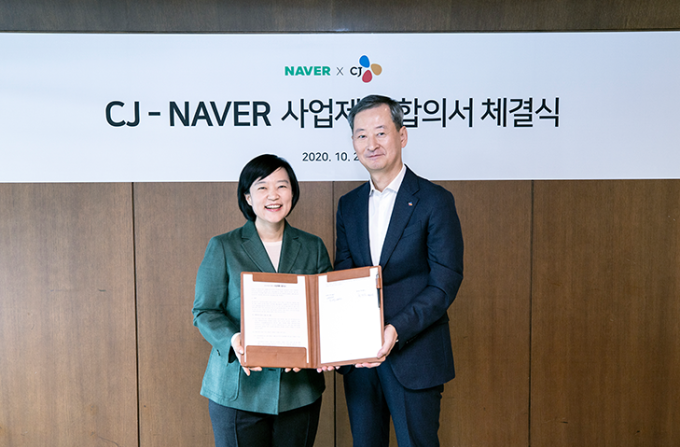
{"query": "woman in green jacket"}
pixel 256 406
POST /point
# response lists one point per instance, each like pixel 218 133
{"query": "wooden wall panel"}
pixel 67 316
pixel 166 15
pixel 336 15
pixel 504 15
pixel 173 223
pixel 606 337
pixel 487 404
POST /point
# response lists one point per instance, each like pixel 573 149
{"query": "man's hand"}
pixel 390 341
pixel 238 350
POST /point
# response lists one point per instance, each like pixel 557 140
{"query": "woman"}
pixel 256 406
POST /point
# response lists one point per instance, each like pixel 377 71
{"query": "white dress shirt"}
pixel 380 206
pixel 274 252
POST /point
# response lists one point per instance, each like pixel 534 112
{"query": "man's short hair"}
pixel 372 101
pixel 258 168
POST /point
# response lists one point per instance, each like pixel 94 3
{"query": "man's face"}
pixel 377 141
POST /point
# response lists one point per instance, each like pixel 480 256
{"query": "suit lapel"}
pixel 404 205
pixel 361 215
pixel 252 245
pixel 289 249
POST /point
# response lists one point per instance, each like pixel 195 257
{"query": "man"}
pixel 409 226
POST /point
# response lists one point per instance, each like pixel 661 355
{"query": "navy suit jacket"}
pixel 422 262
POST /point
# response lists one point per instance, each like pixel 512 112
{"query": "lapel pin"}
pixel 410 204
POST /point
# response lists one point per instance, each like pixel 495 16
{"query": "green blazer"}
pixel 217 314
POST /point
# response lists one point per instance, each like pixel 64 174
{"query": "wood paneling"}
pixel 504 15
pixel 173 223
pixel 336 15
pixel 166 16
pixel 606 337
pixel 67 317
pixel 487 404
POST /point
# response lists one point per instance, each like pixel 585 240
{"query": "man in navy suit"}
pixel 409 226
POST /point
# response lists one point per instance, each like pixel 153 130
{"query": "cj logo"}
pixel 366 70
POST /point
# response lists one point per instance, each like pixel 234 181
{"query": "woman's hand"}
pixel 239 351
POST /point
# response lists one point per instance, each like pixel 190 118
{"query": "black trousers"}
pixel 375 394
pixel 238 428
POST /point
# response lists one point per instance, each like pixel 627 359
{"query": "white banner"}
pixel 158 107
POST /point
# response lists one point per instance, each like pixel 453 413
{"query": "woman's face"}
pixel 271 197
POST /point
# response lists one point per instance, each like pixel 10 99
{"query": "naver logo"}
pixel 311 70
pixel 366 70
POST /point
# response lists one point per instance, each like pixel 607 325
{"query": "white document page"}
pixel 275 313
pixel 349 318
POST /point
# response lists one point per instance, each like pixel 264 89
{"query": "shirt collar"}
pixel 394 184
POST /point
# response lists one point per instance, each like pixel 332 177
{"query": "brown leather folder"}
pixel 272 356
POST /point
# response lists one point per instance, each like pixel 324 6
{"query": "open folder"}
pixel 309 321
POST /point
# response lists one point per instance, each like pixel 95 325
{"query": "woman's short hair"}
pixel 372 101
pixel 259 168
